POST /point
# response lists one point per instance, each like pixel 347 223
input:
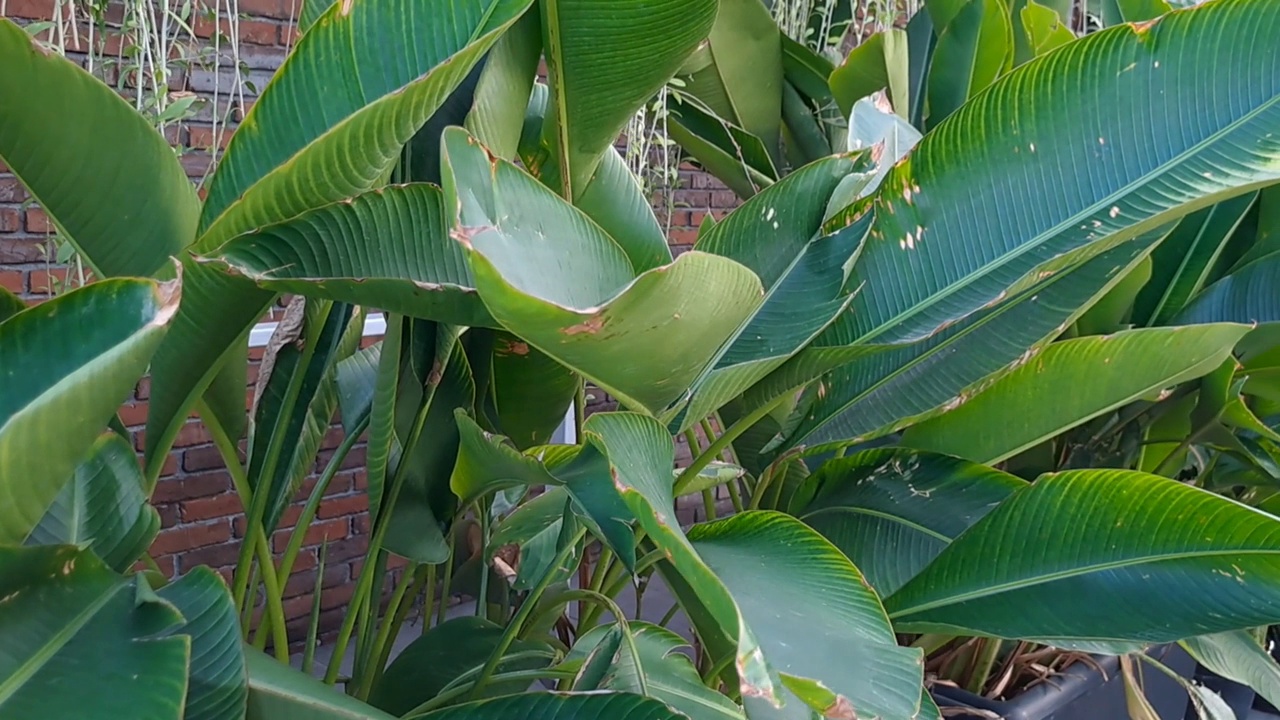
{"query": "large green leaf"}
pixel 835 637
pixel 67 364
pixel 879 63
pixel 559 706
pixel 738 73
pixel 502 94
pixel 109 182
pixel 530 392
pixel 736 157
pixel 1248 295
pixel 974 49
pixel 1099 374
pixel 444 653
pixel 1104 555
pixel 892 511
pixel 597 86
pixel 216 687
pixel 773 234
pixel 1238 656
pixel 103 508
pixel 552 277
pixel 1017 184
pixel 279 692
pixel 613 198
pixel 873 393
pixel 662 671
pixel 381 68
pixel 388 249
pixel 744 569
pixel 295 399
pixel 1037 29
pixel 83 642
pixel 1183 263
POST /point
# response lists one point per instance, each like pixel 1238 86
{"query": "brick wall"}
pixel 201 514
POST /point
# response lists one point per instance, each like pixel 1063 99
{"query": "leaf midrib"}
pixel 1052 232
pixel 854 510
pixel 999 588
pixel 39 659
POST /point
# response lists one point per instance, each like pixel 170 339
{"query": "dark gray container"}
pixel 1082 693
pixel 1238 697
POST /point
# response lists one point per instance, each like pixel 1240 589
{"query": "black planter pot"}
pixel 1082 693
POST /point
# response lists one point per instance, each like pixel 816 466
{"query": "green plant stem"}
pixel 410 585
pixel 617 580
pixel 619 616
pixel 700 463
pixel 766 480
pixel 1182 447
pixel 735 495
pixel 983 661
pixel 313 627
pixel 482 601
pixel 255 542
pixel 446 586
pixel 364 584
pixel 429 598
pixel 579 410
pixel 309 510
pixel 517 623
pixel 712 678
pixel 932 642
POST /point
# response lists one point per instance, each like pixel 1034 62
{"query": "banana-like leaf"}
pixel 555 279
pixel 879 63
pixel 109 182
pixel 1115 12
pixel 295 397
pixel 83 642
pixel 1266 236
pixel 985 207
pixel 397 63
pixel 738 73
pixel 835 642
pixel 746 567
pixel 559 706
pixel 216 688
pixel 534 529
pixel 486 464
pixel 661 672
pixel 356 377
pixel 1102 555
pixel 974 49
pixel 530 392
pixel 1037 29
pixel 1237 656
pixel 807 70
pixel 508 79
pixel 596 87
pixel 388 248
pixel 1101 373
pixel 892 511
pixel 773 234
pixel 434 380
pixel 1113 311
pixel 1248 295
pixel 1183 263
pixel 739 159
pixel 444 653
pixel 104 507
pixel 10 304
pixel 874 393
pixel 279 692
pixel 613 198
pixel 67 365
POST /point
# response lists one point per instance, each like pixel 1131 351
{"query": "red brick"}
pixel 144 389
pixel 13 281
pixel 188 537
pixel 343 506
pixel 288 519
pixel 215 556
pixel 167 566
pixel 134 414
pixel 288 35
pixel 14 251
pixel 169 515
pixel 337 597
pixel 170 466
pixel 11 190
pixel 202 458
pixel 201 137
pixel 38 221
pixel 192 487
pixel 33 9
pixel 10 220
pixel 275 9
pixel 683 236
pixel 331 530
pixel 208 508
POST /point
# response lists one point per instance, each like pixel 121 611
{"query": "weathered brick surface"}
pixel 202 521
